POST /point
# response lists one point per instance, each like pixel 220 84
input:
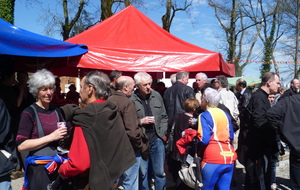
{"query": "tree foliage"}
pixel 272 21
pixel 7 8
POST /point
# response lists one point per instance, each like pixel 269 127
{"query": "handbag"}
pixel 190 172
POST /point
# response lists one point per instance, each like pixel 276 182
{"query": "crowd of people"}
pixel 115 137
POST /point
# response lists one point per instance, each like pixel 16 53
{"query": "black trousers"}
pixel 258 173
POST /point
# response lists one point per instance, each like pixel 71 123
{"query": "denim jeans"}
pixel 131 176
pixel 294 171
pixel 157 156
pixel 5 182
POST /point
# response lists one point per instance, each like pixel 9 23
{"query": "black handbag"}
pixel 61 184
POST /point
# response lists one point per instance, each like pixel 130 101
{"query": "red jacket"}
pixel 188 135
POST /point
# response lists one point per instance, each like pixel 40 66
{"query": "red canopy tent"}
pixel 131 42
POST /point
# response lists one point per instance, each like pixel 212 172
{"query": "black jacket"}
pixel 257 137
pixel 174 97
pixel 284 116
pixel 289 92
pixel 7 163
pixel 244 100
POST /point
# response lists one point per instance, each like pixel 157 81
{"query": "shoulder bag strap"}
pixel 45 151
pixel 38 122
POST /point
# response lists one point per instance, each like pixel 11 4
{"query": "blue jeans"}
pixel 5 182
pixel 294 171
pixel 157 156
pixel 131 176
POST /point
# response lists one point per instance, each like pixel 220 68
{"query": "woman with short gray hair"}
pixel 40 79
pixel 216 134
pixel 40 130
pixel 212 96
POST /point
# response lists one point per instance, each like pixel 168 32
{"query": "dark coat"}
pixel 110 150
pixel 244 100
pixel 126 108
pixel 258 136
pixel 174 97
pixel 284 116
pixel 7 144
pixel 289 92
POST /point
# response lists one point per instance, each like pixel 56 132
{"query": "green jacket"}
pixel 158 110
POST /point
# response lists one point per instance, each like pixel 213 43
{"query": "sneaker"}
pixel 274 186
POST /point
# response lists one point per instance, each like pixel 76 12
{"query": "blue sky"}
pixel 201 33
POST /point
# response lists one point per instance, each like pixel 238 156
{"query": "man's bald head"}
pixel 125 84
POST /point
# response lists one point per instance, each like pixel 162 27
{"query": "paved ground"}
pixel 282 177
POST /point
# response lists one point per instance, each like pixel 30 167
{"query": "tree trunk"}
pixel 232 35
pixel 268 45
pixel 67 25
pixel 106 6
pixel 167 17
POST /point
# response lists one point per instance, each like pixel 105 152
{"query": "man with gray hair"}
pixel 154 120
pixel 175 95
pixel 140 143
pixel 201 79
pixel 100 152
pixel 173 78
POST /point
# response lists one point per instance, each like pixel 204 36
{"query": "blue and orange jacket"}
pixel 216 132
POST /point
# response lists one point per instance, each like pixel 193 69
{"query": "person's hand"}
pixel 58 133
pixel 192 121
pixel 147 120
